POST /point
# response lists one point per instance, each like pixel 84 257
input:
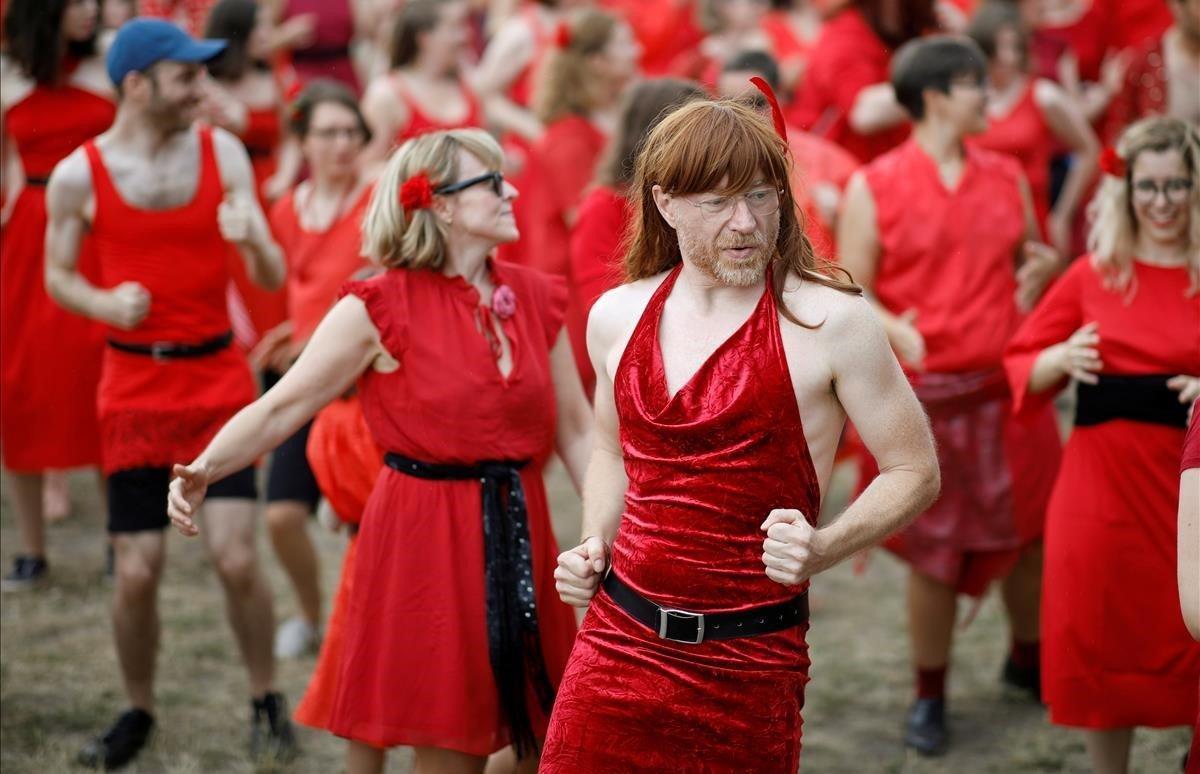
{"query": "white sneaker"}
pixel 295 638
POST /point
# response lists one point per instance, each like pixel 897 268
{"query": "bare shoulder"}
pixel 227 144
pixel 232 159
pixel 14 84
pixel 70 183
pixel 617 307
pixel 92 76
pixel 831 312
pixel 1048 94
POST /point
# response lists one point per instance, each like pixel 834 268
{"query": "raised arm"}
pixel 506 56
pixel 1069 126
pixel 386 115
pixel 344 345
pixel 240 216
pixel 876 109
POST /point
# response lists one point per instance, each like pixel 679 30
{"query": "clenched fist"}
pixel 790 552
pixel 580 571
pixel 126 305
pixel 235 218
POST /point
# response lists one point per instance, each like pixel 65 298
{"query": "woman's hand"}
pixel 1079 357
pixel 185 496
pixel 906 340
pixel 1188 388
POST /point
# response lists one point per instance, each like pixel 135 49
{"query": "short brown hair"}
pixel 992 17
pixel 318 92
pixel 719 145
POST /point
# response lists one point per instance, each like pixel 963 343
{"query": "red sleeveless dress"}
pixel 415 668
pixel 419 123
pixel 1023 134
pixel 157 412
pixel 705 467
pixel 49 358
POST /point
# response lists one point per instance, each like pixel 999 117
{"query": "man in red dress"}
pixel 164 200
pixel 726 369
pixel 934 231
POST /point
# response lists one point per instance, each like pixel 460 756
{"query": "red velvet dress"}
pixel 154 413
pixel 847 57
pixel 595 266
pixel 49 358
pixel 420 123
pixel 1023 134
pixel 415 668
pixel 1115 651
pixel 705 467
pixel 958 273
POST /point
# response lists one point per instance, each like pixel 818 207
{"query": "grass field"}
pixel 59 683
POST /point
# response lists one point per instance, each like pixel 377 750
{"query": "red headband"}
pixel 1111 163
pixel 562 35
pixel 416 193
pixel 776 111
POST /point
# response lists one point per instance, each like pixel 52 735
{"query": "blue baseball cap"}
pixel 142 41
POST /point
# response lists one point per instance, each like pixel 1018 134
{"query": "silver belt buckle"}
pixel 665 614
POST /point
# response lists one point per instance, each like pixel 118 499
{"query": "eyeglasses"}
pixel 760 201
pixel 1176 190
pixel 495 178
pixel 334 132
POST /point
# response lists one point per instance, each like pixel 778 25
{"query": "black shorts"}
pixel 137 497
pixel 291 478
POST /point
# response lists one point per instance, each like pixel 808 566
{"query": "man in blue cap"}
pixel 168 204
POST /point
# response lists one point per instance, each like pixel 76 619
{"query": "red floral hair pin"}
pixel 1111 163
pixel 562 35
pixel 416 193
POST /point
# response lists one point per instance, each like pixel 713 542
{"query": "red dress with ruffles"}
pixel 155 412
pixel 958 273
pixel 415 668
pixel 49 358
pixel 705 468
pixel 1115 650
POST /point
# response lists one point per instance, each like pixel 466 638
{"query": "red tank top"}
pixel 52 121
pixel 957 272
pixel 420 123
pixel 1022 134
pixel 177 254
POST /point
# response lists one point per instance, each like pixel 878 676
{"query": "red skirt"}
pixel 49 357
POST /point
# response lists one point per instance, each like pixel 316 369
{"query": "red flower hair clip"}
pixel 416 193
pixel 562 35
pixel 1111 163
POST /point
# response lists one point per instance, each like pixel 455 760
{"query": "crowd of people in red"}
pixel 391 219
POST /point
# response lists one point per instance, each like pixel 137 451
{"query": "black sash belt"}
pixel 694 628
pixel 168 350
pixel 1137 398
pixel 514 645
pixel 37 182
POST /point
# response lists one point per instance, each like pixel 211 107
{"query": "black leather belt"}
pixel 694 628
pixel 1136 398
pixel 37 182
pixel 514 644
pixel 169 350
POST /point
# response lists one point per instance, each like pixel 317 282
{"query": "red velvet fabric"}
pixel 705 467
pixel 1115 651
pixel 415 667
pixel 158 412
pixel 49 357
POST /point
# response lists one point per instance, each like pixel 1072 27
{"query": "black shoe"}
pixel 121 743
pixel 1027 679
pixel 925 727
pixel 271 735
pixel 27 572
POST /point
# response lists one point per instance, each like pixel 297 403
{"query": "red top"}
pixel 957 272
pixel 328 56
pixel 318 262
pixel 1143 93
pixel 563 163
pixel 157 412
pixel 595 266
pixel 261 137
pixel 1023 134
pixel 664 28
pixel 194 12
pixel 818 161
pixel 416 615
pixel 705 468
pixel 420 123
pixel 786 46
pixel 1087 37
pixel 344 458
pixel 847 57
pixel 51 121
pixel 1131 23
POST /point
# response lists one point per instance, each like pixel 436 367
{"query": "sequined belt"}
pixel 694 628
pixel 514 645
pixel 1136 398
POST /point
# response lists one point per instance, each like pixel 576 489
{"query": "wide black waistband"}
pixel 1137 398
pixel 169 350
pixel 694 628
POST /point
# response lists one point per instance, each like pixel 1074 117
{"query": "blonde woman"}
pixel 455 639
pixel 1124 323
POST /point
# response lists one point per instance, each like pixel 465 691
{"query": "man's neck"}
pixel 940 143
pixel 706 291
pixel 134 130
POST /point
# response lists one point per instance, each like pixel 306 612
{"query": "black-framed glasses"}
pixel 495 178
pixel 1176 190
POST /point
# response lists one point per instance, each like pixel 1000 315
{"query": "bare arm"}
pixel 878 400
pixel 505 57
pixel 240 216
pixel 1038 263
pixel 876 110
pixel 1189 549
pixel 344 345
pixel 1069 125
pixel 386 115
pixel 573 430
